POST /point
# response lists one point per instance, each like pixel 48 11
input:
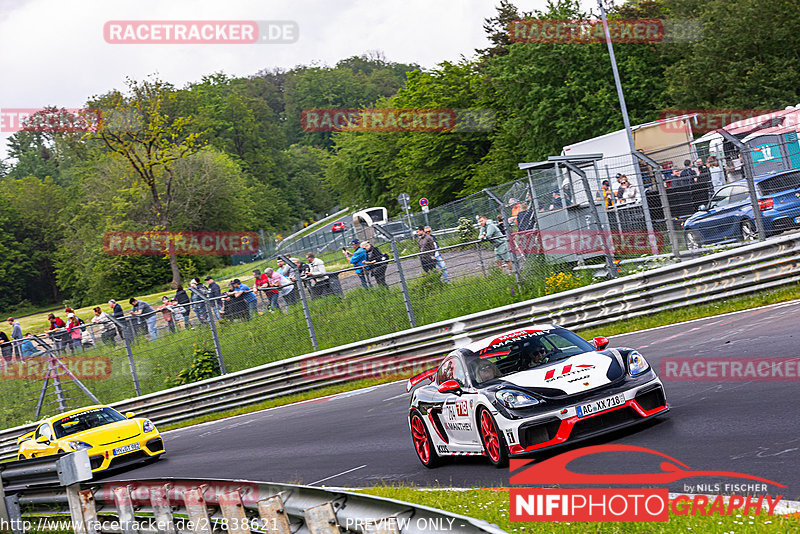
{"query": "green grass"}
pixel 492 505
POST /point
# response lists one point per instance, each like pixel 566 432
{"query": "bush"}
pixel 561 282
pixel 205 365
pixel 466 229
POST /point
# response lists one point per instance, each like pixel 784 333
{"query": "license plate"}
pixel 797 220
pixel 600 405
pixel 126 448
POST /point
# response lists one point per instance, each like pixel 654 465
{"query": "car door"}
pixel 44 449
pixel 712 225
pixel 458 411
pixel 738 208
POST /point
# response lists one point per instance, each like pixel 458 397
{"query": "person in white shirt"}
pixel 717 174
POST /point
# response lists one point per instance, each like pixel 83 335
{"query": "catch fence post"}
pixel 406 297
pixel 299 285
pixel 126 338
pixel 213 325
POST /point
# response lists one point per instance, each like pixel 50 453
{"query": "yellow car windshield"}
pixel 89 419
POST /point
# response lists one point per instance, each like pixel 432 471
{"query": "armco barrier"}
pixel 718 276
pixel 60 488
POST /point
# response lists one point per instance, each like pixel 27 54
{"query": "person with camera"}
pixel 376 263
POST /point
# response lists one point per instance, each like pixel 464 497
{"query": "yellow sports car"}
pixel 110 438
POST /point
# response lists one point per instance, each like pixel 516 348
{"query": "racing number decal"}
pixel 461 409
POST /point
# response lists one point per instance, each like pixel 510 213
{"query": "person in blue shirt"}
pixel 26 347
pixel 357 258
pixel 241 290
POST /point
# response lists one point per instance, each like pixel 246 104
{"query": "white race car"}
pixel 527 390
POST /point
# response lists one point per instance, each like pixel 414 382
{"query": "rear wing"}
pixel 25 437
pixel 419 378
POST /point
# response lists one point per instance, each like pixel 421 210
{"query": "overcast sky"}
pixel 52 52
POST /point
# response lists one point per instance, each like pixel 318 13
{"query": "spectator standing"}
pixel 166 312
pixel 491 233
pixel 107 330
pixel 426 248
pixel 526 219
pixel 717 174
pixel 74 330
pixel 688 175
pixel 286 290
pixel 6 349
pixel 146 312
pixel 16 333
pixel 198 290
pixel 302 269
pixel 606 194
pixel 317 271
pixel 59 338
pixel 183 305
pixel 283 269
pixel 242 290
pixel 214 293
pixel 273 282
pixel 438 256
pixel 375 263
pixel 357 258
pixel 260 283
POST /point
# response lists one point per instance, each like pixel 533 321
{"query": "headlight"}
pixel 79 445
pixel 511 398
pixel 148 426
pixel 636 363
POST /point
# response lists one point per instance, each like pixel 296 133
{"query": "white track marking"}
pixel 339 474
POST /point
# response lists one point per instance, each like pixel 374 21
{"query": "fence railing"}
pixel 60 488
pixel 756 267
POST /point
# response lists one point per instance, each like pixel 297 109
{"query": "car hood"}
pixel 108 434
pixel 570 376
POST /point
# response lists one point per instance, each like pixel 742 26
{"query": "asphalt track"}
pixel 362 438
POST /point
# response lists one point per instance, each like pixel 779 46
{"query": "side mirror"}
pixel 450 386
pixel 43 440
pixel 600 342
pixel 130 415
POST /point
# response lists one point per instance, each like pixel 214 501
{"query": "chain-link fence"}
pixel 568 222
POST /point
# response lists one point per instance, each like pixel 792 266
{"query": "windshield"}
pixel 85 420
pixel 526 352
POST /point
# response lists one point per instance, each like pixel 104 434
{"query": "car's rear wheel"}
pixel 426 452
pixel 692 240
pixel 749 232
pixel 494 445
pixel 20 457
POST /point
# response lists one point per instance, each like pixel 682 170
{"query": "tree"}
pixel 138 128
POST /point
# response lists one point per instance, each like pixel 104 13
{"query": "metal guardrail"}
pixel 60 489
pixel 718 276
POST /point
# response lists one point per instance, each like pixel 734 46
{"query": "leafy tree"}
pixel 150 140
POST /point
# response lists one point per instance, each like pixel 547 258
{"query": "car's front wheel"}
pixel 426 452
pixel 494 445
pixel 692 240
pixel 749 232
